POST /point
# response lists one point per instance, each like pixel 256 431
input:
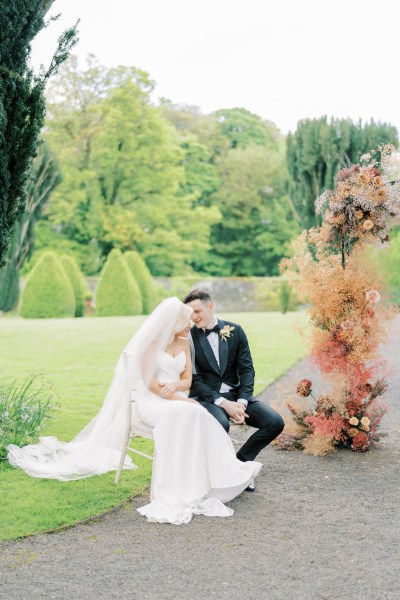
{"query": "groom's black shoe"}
pixel 250 488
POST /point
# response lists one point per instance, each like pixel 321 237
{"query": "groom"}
pixel 223 375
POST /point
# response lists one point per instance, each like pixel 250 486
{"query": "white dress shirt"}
pixel 214 341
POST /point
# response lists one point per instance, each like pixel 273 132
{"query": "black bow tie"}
pixel 215 329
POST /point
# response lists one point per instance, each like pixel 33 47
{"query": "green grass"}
pixel 78 357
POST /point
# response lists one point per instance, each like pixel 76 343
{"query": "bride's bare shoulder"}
pixel 183 344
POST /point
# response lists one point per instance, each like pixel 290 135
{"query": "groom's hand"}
pixel 235 411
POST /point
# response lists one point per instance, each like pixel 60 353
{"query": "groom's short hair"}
pixel 197 294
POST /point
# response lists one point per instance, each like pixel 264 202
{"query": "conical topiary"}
pixel 116 293
pixel 143 277
pixel 78 282
pixel 48 291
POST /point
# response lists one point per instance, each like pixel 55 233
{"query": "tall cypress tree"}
pixel 22 104
pixel 313 151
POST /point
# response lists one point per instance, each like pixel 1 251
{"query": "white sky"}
pixel 284 59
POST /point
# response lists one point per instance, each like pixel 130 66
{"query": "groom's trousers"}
pixel 266 420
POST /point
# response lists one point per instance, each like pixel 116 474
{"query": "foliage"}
pixel 116 293
pixel 388 259
pixel 284 296
pixel 124 183
pixel 22 105
pixel 332 270
pixel 143 278
pixel 48 292
pixel 257 224
pixel 44 179
pixel 312 156
pixel 23 409
pixel 77 281
pixel 241 128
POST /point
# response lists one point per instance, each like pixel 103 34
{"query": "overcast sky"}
pixel 284 59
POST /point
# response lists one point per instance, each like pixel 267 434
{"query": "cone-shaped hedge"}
pixel 48 291
pixel 116 293
pixel 143 277
pixel 78 283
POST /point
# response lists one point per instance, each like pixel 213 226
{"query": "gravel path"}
pixel 315 529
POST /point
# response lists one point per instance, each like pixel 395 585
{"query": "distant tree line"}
pixel 221 194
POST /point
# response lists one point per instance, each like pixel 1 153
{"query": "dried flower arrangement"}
pixel 330 270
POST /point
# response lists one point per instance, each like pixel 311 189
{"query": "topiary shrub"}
pixel 78 283
pixel 116 293
pixel 143 277
pixel 48 291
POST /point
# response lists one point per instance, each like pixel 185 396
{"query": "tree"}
pixel 143 278
pixel 48 291
pixel 313 151
pixel 257 223
pixel 44 179
pixel 77 281
pixel 22 105
pixel 123 168
pixel 115 293
pixel 240 128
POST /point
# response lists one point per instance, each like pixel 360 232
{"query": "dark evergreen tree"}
pixel 313 151
pixel 22 104
pixel 44 178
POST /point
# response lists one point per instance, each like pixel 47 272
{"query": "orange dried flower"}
pixel 367 225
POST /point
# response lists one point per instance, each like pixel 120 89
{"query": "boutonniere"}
pixel 225 332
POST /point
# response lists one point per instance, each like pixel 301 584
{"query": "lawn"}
pixel 78 357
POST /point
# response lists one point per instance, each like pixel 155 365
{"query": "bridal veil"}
pixel 97 448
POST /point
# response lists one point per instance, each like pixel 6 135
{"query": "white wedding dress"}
pixel 195 468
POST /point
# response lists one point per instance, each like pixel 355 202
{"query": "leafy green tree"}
pixel 143 278
pixel 48 291
pixel 124 173
pixel 313 151
pixel 241 128
pixel 44 179
pixel 22 105
pixel 257 223
pixel 78 283
pixel 115 293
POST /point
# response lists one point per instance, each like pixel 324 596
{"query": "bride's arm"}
pixel 168 390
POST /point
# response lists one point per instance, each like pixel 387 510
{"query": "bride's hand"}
pixel 167 390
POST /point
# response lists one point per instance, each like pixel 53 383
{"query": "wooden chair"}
pixel 137 429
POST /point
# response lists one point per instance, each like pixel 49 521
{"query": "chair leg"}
pixel 125 445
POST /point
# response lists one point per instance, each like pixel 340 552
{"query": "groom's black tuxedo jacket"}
pixel 236 366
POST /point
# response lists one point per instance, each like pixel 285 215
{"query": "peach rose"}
pixel 364 178
pixel 365 421
pixel 377 180
pixel 367 225
pixel 346 190
pixel 353 421
pixel 353 431
pixel 359 214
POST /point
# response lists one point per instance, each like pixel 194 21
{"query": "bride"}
pixel 195 469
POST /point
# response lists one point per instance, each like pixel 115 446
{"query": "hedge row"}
pixel 57 288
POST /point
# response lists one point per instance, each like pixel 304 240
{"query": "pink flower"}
pixel 347 324
pixel 304 387
pixel 373 296
pixel 360 442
